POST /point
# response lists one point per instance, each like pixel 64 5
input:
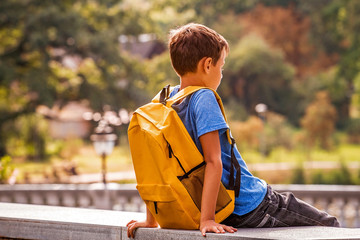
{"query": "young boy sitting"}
pixel 198 54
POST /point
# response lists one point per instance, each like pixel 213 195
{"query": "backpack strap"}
pixel 190 90
pixel 182 94
pixel 163 95
pixel 234 163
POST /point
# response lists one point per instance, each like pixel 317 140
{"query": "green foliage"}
pixel 323 81
pixel 340 176
pixel 6 169
pixel 266 136
pixel 318 178
pixel 344 176
pixel 328 20
pixel 278 132
pixel 160 73
pixel 167 14
pixel 248 133
pixel 226 27
pixel 355 99
pixel 353 130
pixel 235 110
pixel 348 26
pixel 335 29
pixel 53 33
pixel 319 120
pixel 298 176
pixel 68 50
pixel 256 73
pixel 27 137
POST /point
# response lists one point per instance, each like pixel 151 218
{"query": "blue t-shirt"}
pixel 201 114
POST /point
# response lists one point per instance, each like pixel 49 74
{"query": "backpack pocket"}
pixel 193 181
pixel 163 203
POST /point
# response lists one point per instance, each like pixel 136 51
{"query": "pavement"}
pixel 97 177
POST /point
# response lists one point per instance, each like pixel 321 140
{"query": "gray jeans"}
pixel 282 210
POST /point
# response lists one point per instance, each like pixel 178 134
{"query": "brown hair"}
pixel 192 42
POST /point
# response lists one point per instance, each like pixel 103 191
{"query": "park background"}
pixel 67 65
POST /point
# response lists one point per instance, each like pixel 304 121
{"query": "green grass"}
pixel 344 152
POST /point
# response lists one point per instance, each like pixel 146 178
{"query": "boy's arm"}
pixel 150 222
pixel 210 144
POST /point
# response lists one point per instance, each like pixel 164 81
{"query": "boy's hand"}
pixel 133 225
pixel 212 226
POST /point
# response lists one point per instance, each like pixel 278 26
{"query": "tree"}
pixel 159 72
pixel 255 73
pixel 319 120
pixel 288 29
pixel 336 30
pixel 67 50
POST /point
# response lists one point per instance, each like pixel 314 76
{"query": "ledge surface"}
pixel 49 222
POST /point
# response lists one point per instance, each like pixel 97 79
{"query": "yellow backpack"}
pixel 168 166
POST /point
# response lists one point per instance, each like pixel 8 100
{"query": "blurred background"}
pixel 73 69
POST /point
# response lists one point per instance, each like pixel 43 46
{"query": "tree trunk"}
pixel 3 151
pixel 344 112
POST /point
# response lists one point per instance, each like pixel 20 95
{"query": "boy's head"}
pixel 191 43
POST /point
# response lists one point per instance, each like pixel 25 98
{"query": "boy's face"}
pixel 215 75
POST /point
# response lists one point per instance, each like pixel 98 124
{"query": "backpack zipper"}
pixel 186 175
pixel 171 153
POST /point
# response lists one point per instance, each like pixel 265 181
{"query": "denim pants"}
pixel 281 210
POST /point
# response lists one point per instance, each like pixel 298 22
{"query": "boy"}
pixel 198 55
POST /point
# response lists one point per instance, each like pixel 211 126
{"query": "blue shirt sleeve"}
pixel 206 112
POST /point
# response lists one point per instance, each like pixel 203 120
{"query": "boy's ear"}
pixel 207 64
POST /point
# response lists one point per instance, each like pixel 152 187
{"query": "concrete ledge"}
pixel 247 233
pixel 49 222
